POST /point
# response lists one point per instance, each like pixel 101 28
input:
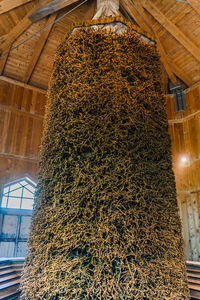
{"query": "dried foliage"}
pixel 106 222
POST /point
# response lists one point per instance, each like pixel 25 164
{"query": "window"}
pixel 19 194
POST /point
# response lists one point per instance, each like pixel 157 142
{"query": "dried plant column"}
pixel 106 223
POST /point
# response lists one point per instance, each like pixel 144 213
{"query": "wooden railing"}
pixel 193 272
pixel 10 276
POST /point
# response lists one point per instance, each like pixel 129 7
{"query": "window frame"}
pixel 29 181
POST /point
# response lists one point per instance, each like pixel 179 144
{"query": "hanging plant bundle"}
pixel 105 225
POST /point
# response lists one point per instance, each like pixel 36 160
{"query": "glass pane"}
pixel 27 194
pixel 5 190
pixel 15 186
pixel 23 182
pixel 4 201
pixel 30 188
pixel 16 193
pixel 14 202
pixel 27 203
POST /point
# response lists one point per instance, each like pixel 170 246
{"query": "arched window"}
pixel 19 194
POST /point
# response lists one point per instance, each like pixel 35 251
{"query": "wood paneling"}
pixel 7 5
pixel 21 126
pixel 184 129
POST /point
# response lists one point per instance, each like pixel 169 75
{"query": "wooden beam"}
pixel 172 29
pixel 14 34
pixel 143 21
pixel 3 38
pixel 22 84
pixel 141 11
pixel 170 67
pixel 16 156
pixel 38 48
pixel 9 108
pixel 195 7
pixel 126 14
pixel 90 11
pixel 3 61
pixel 164 59
pixel 180 73
pixel 7 5
pixel 132 11
pixel 107 8
pixel 19 28
pixel 49 8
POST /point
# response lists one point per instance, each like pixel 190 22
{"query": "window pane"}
pixel 16 193
pixel 15 186
pixel 5 190
pixel 27 194
pixel 30 188
pixel 4 201
pixel 19 192
pixel 14 202
pixel 23 182
pixel 27 203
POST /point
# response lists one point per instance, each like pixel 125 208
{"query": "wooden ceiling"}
pixel 175 25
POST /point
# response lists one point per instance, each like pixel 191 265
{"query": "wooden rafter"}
pixel 38 48
pixel 107 8
pixel 144 22
pixel 170 67
pixel 142 13
pixel 132 11
pixel 172 29
pixel 180 73
pixel 195 7
pixel 49 8
pixel 7 5
pixel 19 29
pixel 3 61
pixel 90 11
pixel 3 38
pixel 164 60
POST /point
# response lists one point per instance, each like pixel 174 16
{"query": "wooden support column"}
pixel 107 8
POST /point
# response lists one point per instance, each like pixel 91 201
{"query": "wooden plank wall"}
pixel 21 122
pixel 184 129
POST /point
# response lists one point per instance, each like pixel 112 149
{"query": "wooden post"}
pixel 107 8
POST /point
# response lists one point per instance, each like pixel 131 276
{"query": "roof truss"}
pixel 49 8
pixel 7 5
pixel 172 29
pixel 139 10
pixel 19 29
pixel 38 48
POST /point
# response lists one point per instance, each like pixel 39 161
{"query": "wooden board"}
pixel 184 129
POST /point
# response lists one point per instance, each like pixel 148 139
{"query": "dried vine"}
pixel 106 223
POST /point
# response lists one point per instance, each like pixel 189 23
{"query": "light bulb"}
pixel 184 159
